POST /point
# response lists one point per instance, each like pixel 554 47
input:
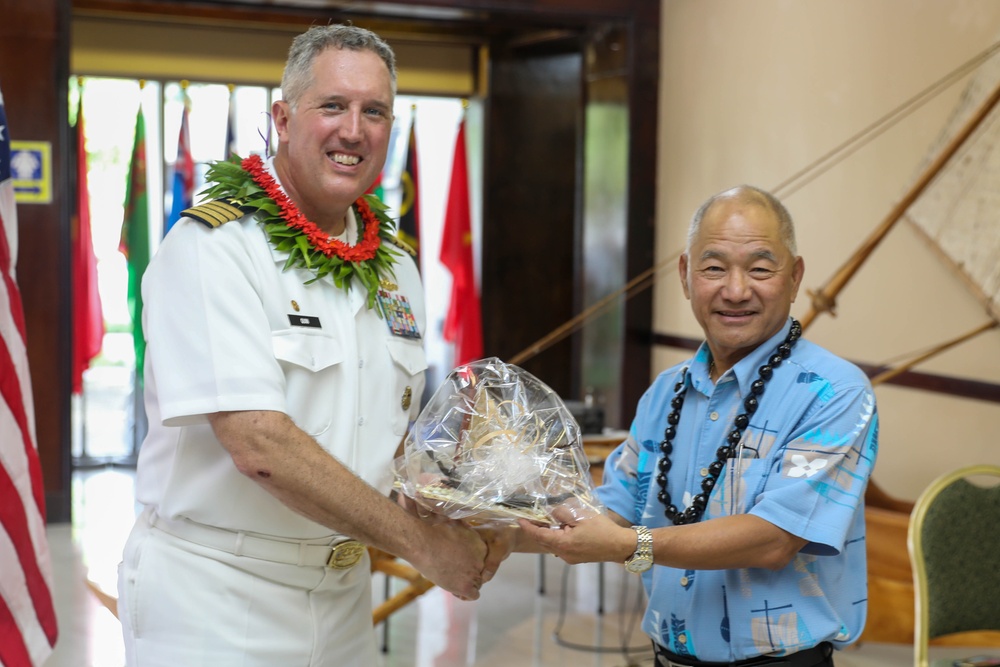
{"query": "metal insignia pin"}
pixel 388 284
pixel 295 305
pixel 407 398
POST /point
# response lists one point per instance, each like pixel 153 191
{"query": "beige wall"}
pixel 753 91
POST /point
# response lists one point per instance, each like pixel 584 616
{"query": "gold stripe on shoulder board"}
pixel 402 245
pixel 215 213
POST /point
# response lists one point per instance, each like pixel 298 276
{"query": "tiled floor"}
pixel 585 615
pixel 512 624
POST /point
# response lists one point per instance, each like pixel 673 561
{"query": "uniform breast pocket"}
pixel 313 369
pixel 409 363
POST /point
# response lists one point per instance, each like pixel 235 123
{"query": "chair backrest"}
pixel 954 545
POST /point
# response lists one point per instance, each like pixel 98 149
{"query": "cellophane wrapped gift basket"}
pixel 493 445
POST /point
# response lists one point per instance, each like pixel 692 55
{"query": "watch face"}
pixel 637 566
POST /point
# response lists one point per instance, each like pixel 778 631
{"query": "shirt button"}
pixel 704 472
pixel 683 639
pixel 361 421
pixel 684 581
pixel 714 416
pixel 361 363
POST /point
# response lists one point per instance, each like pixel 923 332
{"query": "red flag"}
pixel 463 324
pixel 28 627
pixel 88 318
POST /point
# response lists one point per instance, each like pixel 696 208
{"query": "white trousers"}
pixel 181 603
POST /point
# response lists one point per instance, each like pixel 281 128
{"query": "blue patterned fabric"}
pixel 804 463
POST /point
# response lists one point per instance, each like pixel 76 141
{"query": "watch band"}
pixel 642 559
pixel 644 547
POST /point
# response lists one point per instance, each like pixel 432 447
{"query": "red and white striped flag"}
pixel 27 616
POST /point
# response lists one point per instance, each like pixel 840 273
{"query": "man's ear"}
pixel 280 112
pixel 798 270
pixel 682 269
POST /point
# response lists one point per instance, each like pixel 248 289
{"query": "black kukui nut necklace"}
pixel 727 451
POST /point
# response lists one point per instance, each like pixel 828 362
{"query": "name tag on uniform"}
pixel 398 314
pixel 304 321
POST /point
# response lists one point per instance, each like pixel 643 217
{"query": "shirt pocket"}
pixel 409 363
pixel 739 486
pixel 313 369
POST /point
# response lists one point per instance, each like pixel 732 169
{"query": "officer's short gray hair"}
pixel 297 76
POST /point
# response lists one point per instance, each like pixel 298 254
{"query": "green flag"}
pixel 134 243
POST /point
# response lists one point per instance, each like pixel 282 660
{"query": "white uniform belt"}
pixel 338 552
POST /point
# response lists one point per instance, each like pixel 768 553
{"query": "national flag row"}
pixel 28 623
pixel 134 242
pixel 463 323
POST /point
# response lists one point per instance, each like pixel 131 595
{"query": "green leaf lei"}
pixel 248 185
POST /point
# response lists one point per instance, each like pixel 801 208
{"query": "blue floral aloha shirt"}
pixel 803 465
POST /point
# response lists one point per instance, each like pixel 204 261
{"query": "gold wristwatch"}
pixel 642 559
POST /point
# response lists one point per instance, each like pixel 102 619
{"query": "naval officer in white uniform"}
pixel 284 361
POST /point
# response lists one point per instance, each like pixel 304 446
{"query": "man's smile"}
pixel 344 158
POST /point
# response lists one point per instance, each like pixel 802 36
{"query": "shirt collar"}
pixel 745 370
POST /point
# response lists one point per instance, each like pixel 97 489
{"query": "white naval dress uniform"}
pixel 216 570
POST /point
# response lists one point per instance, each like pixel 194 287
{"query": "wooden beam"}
pixel 942 384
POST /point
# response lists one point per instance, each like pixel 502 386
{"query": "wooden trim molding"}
pixel 942 384
pixel 134 47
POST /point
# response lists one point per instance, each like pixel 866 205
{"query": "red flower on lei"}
pixel 362 251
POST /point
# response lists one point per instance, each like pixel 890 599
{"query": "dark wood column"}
pixel 34 64
pixel 643 67
pixel 530 203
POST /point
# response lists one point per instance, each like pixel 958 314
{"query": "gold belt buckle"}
pixel 345 555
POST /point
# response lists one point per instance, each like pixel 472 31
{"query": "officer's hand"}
pixel 500 542
pixel 452 556
pixel 418 510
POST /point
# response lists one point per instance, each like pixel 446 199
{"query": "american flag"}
pixel 27 616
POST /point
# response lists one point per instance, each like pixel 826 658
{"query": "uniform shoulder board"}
pixel 216 212
pixel 402 245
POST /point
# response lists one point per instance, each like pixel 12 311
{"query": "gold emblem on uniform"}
pixel 345 555
pixel 384 283
pixel 295 305
pixel 407 398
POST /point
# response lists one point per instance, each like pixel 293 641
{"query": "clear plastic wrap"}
pixel 493 445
